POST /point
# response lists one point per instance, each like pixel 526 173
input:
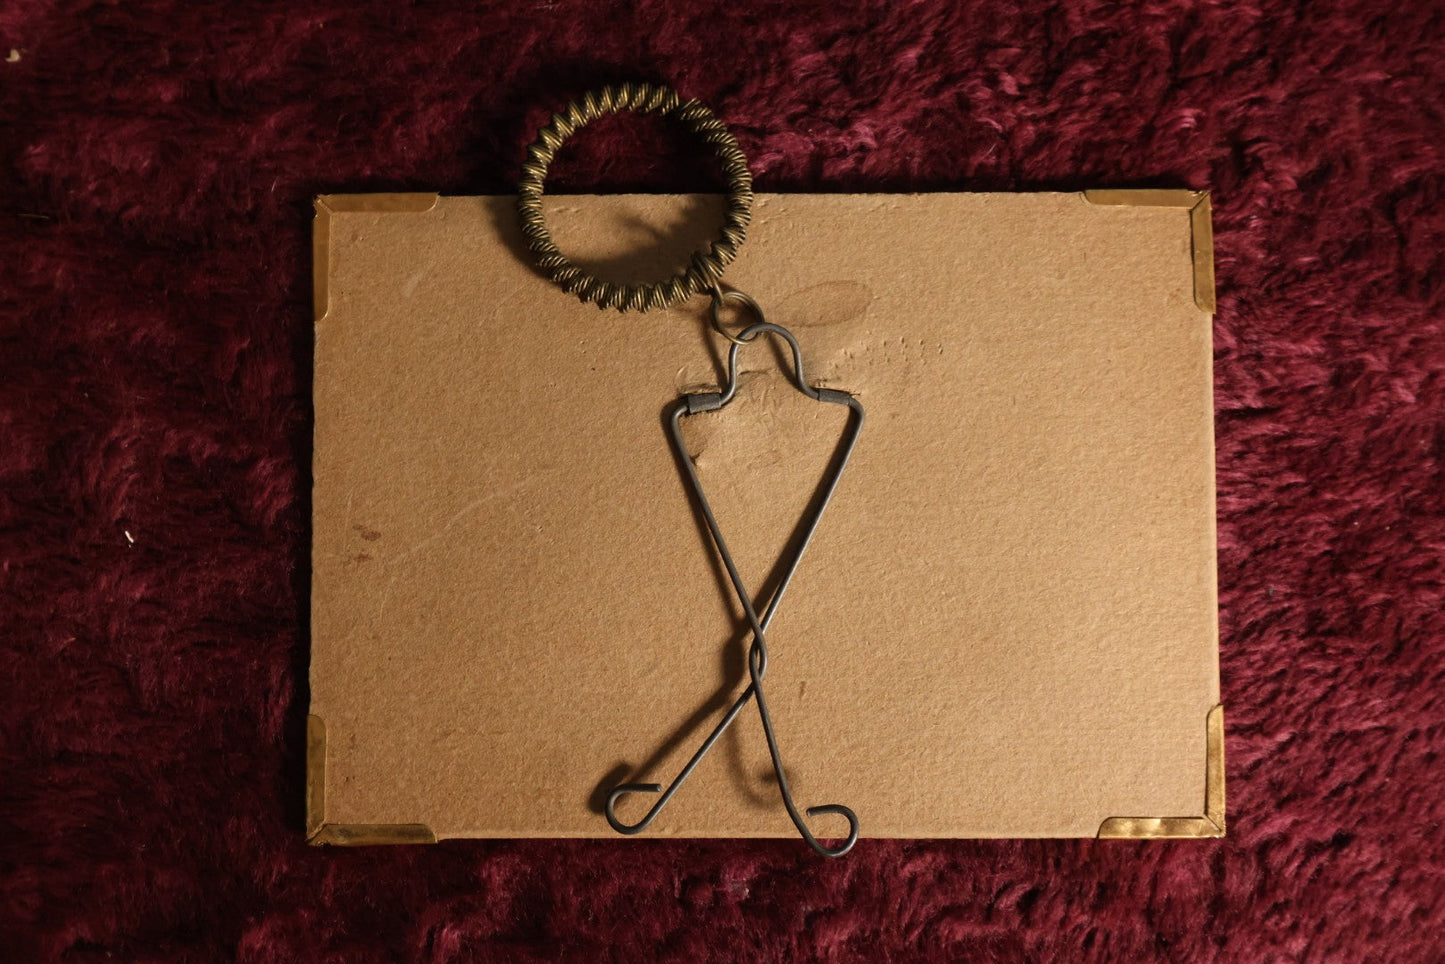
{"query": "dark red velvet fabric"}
pixel 157 163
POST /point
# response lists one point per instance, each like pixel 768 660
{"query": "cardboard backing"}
pixel 1005 627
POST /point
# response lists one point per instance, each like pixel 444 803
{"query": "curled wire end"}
pixel 848 841
pixel 620 791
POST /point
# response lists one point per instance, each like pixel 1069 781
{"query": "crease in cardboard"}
pixel 319 832
pixel 1210 824
pixel 328 204
pixel 1201 229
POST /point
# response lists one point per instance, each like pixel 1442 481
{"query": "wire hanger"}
pixel 758 651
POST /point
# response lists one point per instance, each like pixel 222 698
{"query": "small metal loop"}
pixel 705 267
pixel 718 296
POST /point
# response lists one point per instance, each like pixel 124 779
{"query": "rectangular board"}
pixel 1005 627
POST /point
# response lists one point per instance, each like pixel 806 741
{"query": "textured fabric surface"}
pixel 157 163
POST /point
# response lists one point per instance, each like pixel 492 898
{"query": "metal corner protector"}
pixel 1209 824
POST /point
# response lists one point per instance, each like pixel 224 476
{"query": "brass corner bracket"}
pixel 1211 824
pixel 328 204
pixel 319 832
pixel 1201 229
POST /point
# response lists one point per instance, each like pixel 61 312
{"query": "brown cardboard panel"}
pixel 1005 626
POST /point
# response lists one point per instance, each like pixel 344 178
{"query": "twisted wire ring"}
pixel 705 267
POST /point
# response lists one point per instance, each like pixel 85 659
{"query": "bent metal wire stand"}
pixel 758 651
pixel 702 275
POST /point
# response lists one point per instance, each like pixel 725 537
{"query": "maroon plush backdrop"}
pixel 157 163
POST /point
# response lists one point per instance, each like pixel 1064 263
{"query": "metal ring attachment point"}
pixel 718 296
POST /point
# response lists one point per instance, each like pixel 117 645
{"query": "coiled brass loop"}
pixel 705 267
